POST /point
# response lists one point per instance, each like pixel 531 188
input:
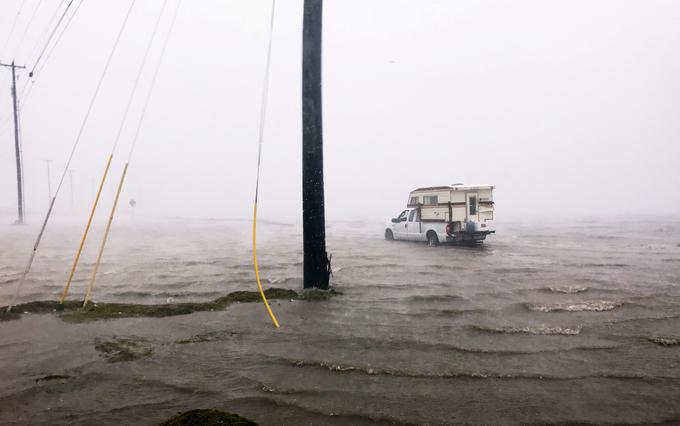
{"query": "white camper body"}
pixel 455 213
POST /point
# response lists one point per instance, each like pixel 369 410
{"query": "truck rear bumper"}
pixel 468 236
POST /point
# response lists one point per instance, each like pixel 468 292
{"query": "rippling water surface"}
pixel 542 324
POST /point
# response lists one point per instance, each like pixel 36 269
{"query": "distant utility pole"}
pixel 17 143
pixel 316 264
pixel 49 181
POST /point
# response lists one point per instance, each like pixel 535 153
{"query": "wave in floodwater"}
pixel 396 372
pixel 600 306
pixel 435 298
pixel 537 330
pixel 571 289
pixel 600 265
pixel 516 270
pixel 8 281
pixel 665 341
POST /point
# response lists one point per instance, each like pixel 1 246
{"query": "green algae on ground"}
pixel 102 311
pixel 316 295
pixel 8 316
pixel 207 418
pixel 72 311
pixel 123 349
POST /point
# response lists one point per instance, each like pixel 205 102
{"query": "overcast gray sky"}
pixel 570 108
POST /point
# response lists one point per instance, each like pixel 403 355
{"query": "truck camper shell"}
pixel 453 203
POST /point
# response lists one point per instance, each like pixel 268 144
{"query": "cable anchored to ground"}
pixel 70 158
pixel 113 150
pixel 102 246
pixel 263 113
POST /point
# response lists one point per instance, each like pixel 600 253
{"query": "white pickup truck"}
pixel 456 214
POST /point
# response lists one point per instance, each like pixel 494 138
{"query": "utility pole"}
pixel 49 181
pixel 17 143
pixel 316 263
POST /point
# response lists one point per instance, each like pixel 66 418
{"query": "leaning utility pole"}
pixel 316 263
pixel 17 144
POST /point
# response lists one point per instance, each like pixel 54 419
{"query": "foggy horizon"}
pixel 570 110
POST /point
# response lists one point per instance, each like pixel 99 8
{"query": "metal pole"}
pixel 17 143
pixel 316 263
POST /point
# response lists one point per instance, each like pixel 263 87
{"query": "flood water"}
pixel 543 324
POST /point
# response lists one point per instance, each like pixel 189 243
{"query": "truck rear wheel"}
pixel 389 235
pixel 432 239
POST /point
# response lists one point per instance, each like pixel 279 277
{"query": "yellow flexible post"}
pixel 87 229
pixel 106 235
pixel 257 270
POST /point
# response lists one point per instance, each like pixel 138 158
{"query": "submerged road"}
pixel 550 324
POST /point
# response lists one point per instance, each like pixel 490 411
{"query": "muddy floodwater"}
pixel 543 324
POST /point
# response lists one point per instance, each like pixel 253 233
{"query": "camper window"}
pixel 430 200
pixel 473 205
pixel 414 200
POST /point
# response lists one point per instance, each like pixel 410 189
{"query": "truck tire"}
pixel 389 235
pixel 432 239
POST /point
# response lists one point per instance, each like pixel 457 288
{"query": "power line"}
pixel 138 77
pixel 28 86
pixel 14 24
pixel 46 29
pixel 153 79
pixel 49 39
pixel 28 26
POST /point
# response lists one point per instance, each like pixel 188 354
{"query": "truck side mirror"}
pixel 395 220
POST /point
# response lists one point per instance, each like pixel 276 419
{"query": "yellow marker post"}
pixel 106 235
pixel 257 270
pixel 87 229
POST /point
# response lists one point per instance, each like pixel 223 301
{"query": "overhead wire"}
pixel 263 114
pixel 113 149
pixel 70 157
pixel 11 31
pixel 49 39
pixel 145 106
pixel 23 95
pixel 28 86
pixel 28 27
pixel 46 29
pixel 2 54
